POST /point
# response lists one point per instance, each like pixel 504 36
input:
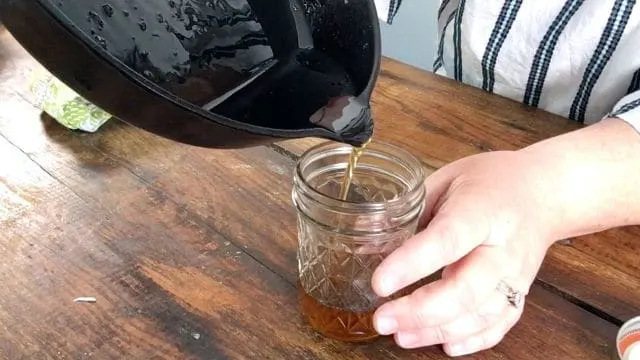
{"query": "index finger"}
pixel 451 235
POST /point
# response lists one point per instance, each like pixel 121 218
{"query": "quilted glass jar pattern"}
pixel 341 242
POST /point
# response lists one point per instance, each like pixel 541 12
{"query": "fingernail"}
pixel 407 339
pixel 457 350
pixel 386 325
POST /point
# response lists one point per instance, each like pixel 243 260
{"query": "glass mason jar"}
pixel 342 242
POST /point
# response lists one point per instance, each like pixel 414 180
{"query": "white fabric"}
pixel 383 9
pixel 632 116
pixel 569 59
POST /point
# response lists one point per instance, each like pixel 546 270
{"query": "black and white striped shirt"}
pixel 576 58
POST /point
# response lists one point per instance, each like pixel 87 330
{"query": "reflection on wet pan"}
pixel 257 65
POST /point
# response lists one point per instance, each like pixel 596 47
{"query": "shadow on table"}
pixel 71 138
pixel 115 139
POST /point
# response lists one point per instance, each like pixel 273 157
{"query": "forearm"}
pixel 591 178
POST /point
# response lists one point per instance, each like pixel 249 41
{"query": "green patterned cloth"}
pixel 65 105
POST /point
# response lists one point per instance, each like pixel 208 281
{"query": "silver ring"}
pixel 515 297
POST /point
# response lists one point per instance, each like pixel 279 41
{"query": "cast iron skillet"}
pixel 219 73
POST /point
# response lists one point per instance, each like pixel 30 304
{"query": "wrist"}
pixel 588 179
pixel 546 204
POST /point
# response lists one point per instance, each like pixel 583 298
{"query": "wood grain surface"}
pixel 191 252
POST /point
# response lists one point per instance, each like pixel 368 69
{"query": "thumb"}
pixel 456 229
pixel 436 185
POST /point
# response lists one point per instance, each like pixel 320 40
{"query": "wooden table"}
pixel 191 252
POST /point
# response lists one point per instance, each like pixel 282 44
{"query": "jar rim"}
pixel 417 192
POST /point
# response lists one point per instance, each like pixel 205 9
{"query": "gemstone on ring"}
pixel 515 297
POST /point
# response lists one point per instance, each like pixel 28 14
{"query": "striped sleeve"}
pixel 628 109
pixel 387 9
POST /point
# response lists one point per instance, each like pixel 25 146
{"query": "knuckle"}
pixel 483 341
pixel 420 318
pixel 420 315
pixel 491 315
pixel 447 248
pixel 441 334
pixel 467 296
pixel 463 327
pixel 450 237
pixel 491 338
pixel 485 320
pixel 494 335
pixel 455 238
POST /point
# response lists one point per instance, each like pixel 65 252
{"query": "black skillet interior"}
pixel 262 66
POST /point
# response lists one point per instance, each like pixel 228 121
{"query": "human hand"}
pixel 489 219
